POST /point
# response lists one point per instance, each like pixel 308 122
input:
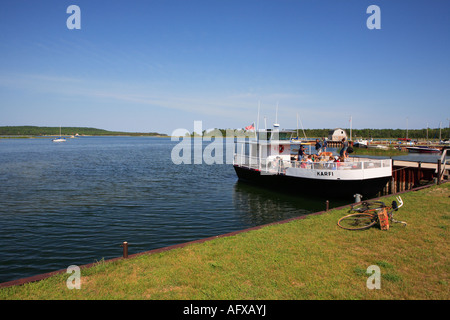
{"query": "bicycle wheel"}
pixel 357 221
pixel 366 206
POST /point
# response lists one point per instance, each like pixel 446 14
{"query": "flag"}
pixel 250 127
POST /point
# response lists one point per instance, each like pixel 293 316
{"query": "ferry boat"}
pixel 270 159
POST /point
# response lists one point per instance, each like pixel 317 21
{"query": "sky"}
pixel 160 65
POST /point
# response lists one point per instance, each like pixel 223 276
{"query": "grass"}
pixel 310 258
pixel 391 152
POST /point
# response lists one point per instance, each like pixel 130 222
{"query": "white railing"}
pixel 278 165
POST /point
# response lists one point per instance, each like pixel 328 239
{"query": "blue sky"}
pixel 155 65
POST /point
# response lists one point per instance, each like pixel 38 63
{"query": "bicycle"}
pixel 367 214
pixel 367 206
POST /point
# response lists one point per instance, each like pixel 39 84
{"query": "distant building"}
pixel 337 134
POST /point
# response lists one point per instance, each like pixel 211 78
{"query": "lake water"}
pixel 74 203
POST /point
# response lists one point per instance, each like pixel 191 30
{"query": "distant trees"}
pixel 53 131
pixel 433 133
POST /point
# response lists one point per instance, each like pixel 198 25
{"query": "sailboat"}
pixel 60 139
pixel 297 139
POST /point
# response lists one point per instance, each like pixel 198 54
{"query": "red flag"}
pixel 250 127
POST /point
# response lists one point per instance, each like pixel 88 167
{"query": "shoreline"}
pixel 81 136
pixel 245 232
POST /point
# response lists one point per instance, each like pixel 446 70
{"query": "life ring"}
pixel 280 148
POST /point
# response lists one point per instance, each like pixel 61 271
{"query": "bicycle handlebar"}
pixel 400 201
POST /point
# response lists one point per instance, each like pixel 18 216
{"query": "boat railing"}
pixel 278 165
pixel 272 166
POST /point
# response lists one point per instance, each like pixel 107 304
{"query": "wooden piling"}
pixel 439 171
pixel 419 173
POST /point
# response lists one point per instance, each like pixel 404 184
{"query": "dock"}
pixel 407 175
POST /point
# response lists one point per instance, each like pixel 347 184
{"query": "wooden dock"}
pixel 407 175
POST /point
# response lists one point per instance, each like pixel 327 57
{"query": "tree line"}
pixel 433 133
pixel 65 131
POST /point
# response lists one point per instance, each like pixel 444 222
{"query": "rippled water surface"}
pixel 76 202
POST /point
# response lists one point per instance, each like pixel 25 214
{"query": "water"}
pixel 75 202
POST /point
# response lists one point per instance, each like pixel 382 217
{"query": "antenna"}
pixel 276 125
pixel 257 121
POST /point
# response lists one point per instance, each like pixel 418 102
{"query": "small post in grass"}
pixel 125 249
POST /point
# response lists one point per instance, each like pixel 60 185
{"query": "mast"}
pixel 406 127
pixel 448 127
pixel 301 123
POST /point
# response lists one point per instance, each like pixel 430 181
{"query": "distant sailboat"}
pixel 60 139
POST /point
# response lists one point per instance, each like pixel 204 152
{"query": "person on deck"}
pixel 343 152
pixel 324 144
pixel 301 152
pixel 318 147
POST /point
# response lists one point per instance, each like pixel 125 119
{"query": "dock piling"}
pixel 439 171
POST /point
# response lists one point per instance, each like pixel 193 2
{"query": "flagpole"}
pixel 351 128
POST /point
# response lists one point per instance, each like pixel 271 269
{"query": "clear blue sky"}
pixel 157 65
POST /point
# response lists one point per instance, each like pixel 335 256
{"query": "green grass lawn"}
pixel 391 152
pixel 309 258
